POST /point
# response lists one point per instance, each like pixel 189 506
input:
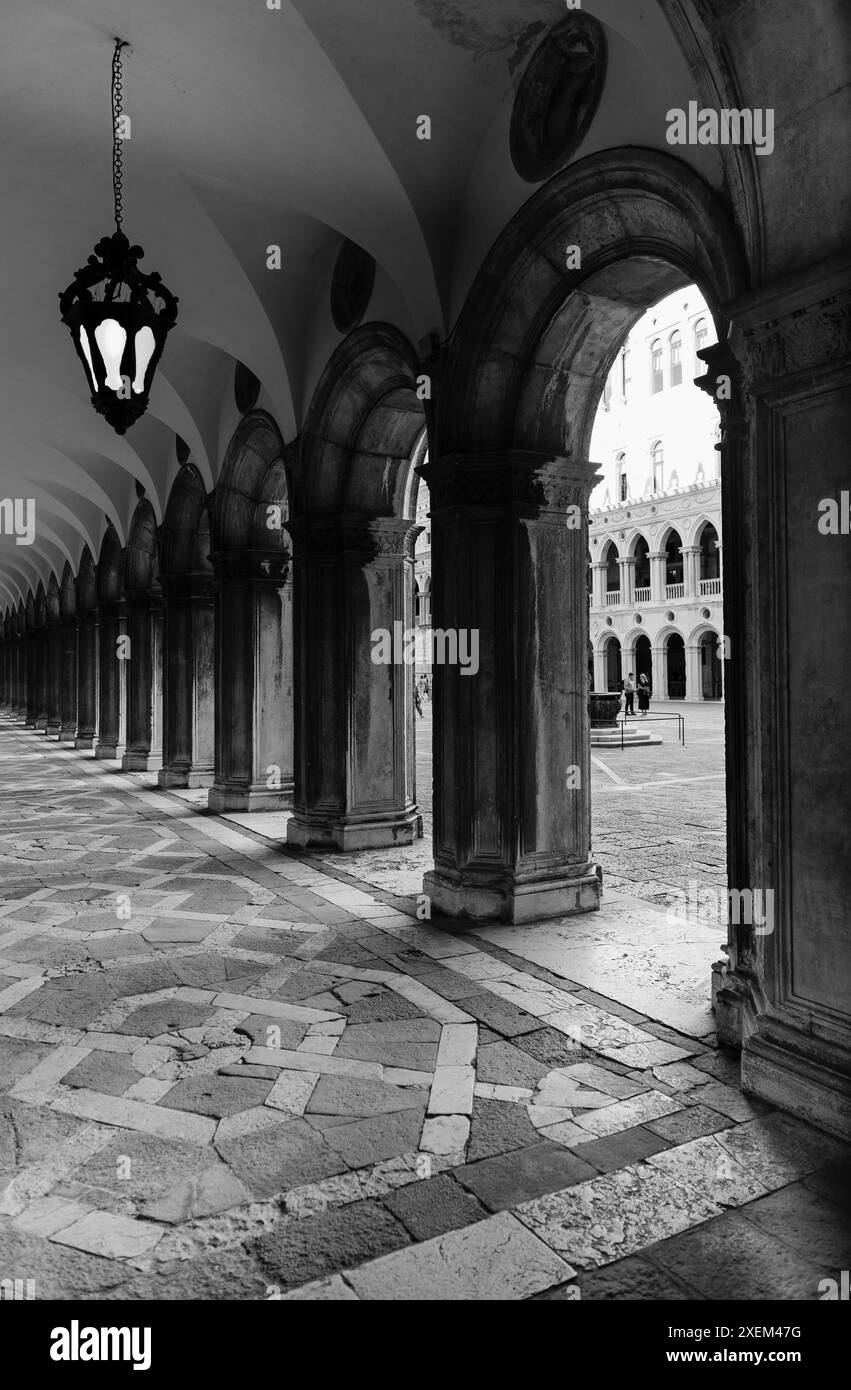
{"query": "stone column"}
pixel 88 682
pixel 68 682
pixel 112 680
pixel 691 571
pixel 598 599
pixel 41 677
pixel 253 673
pixel 626 564
pixel 53 643
pixel 144 684
pixel 600 670
pixel 188 682
pixel 784 449
pixel 355 756
pixel 659 673
pixel 32 678
pixel 657 576
pixel 694 677
pixel 512 808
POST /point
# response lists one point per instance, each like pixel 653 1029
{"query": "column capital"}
pixel 510 477
pixel 251 566
pixel 354 533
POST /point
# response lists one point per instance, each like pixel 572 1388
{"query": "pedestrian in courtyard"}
pixel 629 696
pixel 418 704
pixel 644 693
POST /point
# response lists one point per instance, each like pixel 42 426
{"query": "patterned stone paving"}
pixel 228 1071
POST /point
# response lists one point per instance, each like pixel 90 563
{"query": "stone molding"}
pixel 507 478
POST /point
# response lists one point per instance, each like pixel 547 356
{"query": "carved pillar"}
pixel 512 810
pixel 657 576
pixel 354 581
pixel 188 682
pixel 112 674
pixel 144 684
pixel 784 454
pixel 253 702
pixel 88 682
pixel 68 683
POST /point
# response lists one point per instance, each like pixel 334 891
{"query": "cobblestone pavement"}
pixel 231 1072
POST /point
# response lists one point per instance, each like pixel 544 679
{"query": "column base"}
pixel 509 900
pixel 52 728
pixel 41 723
pixel 66 732
pixel 185 777
pixel 260 798
pixel 86 741
pixel 136 760
pixel 110 751
pixel 347 835
pixel 30 721
pixel 789 1074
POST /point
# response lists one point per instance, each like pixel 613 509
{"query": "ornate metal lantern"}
pixel 119 317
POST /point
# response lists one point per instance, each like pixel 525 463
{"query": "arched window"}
pixel 625 374
pixel 701 337
pixel 656 379
pixel 613 571
pixel 710 560
pixel 675 346
pixel 642 564
pixel 658 467
pixel 623 485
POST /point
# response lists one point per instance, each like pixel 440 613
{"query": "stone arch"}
pixel 68 592
pixel 363 427
pixel 86 582
pixel 185 533
pixel 354 533
pixel 646 224
pixel 636 535
pixel 253 729
pixel 141 560
pixel 143 591
pixel 110 568
pixel 52 599
pixel 254 472
pixel 188 633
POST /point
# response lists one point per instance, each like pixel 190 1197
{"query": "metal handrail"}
pixel 681 729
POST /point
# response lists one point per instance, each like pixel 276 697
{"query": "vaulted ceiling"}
pixel 254 126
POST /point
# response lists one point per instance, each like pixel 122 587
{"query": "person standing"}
pixel 643 694
pixel 629 696
pixel 418 704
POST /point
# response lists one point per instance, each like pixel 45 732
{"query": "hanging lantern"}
pixel 119 317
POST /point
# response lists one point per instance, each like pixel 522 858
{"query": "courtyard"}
pixel 230 1070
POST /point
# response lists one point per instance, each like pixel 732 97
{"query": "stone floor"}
pixel 228 1071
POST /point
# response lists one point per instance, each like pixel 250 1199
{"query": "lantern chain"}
pixel 117 142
